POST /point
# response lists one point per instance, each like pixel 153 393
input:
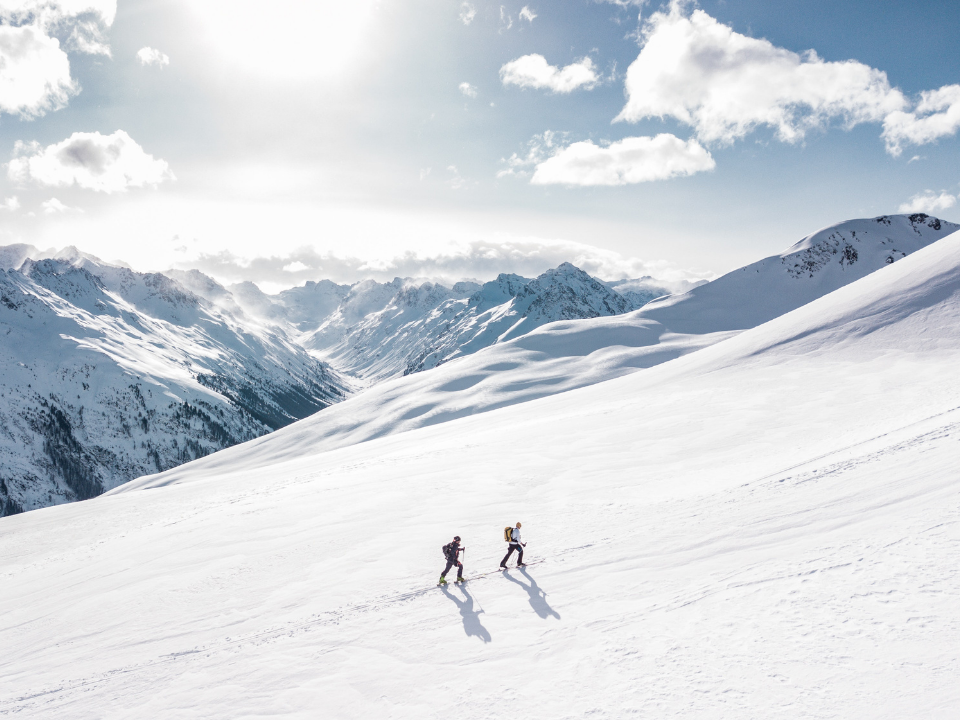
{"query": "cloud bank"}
pixel 533 71
pixel 103 163
pixel 480 260
pixel 628 161
pixel 725 85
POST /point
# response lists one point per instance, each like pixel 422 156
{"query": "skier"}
pixel 515 544
pixel 451 551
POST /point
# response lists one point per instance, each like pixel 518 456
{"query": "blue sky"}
pixel 288 141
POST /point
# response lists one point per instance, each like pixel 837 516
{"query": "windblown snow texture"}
pixel 111 374
pixel 767 527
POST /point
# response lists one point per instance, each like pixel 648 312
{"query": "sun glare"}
pixel 288 39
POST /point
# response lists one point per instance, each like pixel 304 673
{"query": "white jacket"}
pixel 515 536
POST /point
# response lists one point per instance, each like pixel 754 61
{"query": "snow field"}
pixel 768 526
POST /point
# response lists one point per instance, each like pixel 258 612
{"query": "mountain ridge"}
pixel 111 374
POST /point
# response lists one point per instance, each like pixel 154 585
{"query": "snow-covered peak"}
pixel 499 291
pixel 818 264
pixel 308 306
pixel 919 226
pixel 13 256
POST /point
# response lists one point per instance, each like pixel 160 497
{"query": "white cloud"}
pixel 152 56
pixel 506 20
pixel 628 161
pixel 937 115
pixel 34 39
pixel 105 163
pixel 527 14
pixel 533 71
pixel 55 207
pixel 928 202
pixel 539 149
pixel 34 72
pixel 468 89
pixel 80 25
pixel 467 13
pixel 725 85
pixel 10 204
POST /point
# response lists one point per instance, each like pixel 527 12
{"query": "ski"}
pixel 498 570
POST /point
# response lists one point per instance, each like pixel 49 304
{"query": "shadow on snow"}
pixel 471 618
pixel 537 597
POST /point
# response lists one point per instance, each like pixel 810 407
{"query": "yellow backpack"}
pixel 508 534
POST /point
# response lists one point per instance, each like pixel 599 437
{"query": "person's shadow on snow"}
pixel 538 598
pixel 470 617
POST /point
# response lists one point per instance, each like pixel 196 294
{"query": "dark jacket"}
pixel 451 550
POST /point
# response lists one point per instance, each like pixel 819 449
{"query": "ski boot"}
pixel 460 580
pixel 443 580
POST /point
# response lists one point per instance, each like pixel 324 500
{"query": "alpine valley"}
pixel 111 374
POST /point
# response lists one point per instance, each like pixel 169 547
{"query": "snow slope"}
pixel 562 356
pixel 768 527
pixel 111 374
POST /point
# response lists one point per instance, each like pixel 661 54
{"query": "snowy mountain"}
pixel 566 355
pixel 111 374
pixel 422 327
pixel 175 344
pixel 765 528
pixel 375 331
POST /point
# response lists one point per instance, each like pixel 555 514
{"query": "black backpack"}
pixel 448 551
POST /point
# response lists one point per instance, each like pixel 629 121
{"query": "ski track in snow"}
pixel 744 580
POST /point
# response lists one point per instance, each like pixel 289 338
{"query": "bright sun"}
pixel 288 39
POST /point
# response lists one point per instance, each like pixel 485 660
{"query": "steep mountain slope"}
pixel 764 528
pixel 111 374
pixel 422 327
pixel 562 356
